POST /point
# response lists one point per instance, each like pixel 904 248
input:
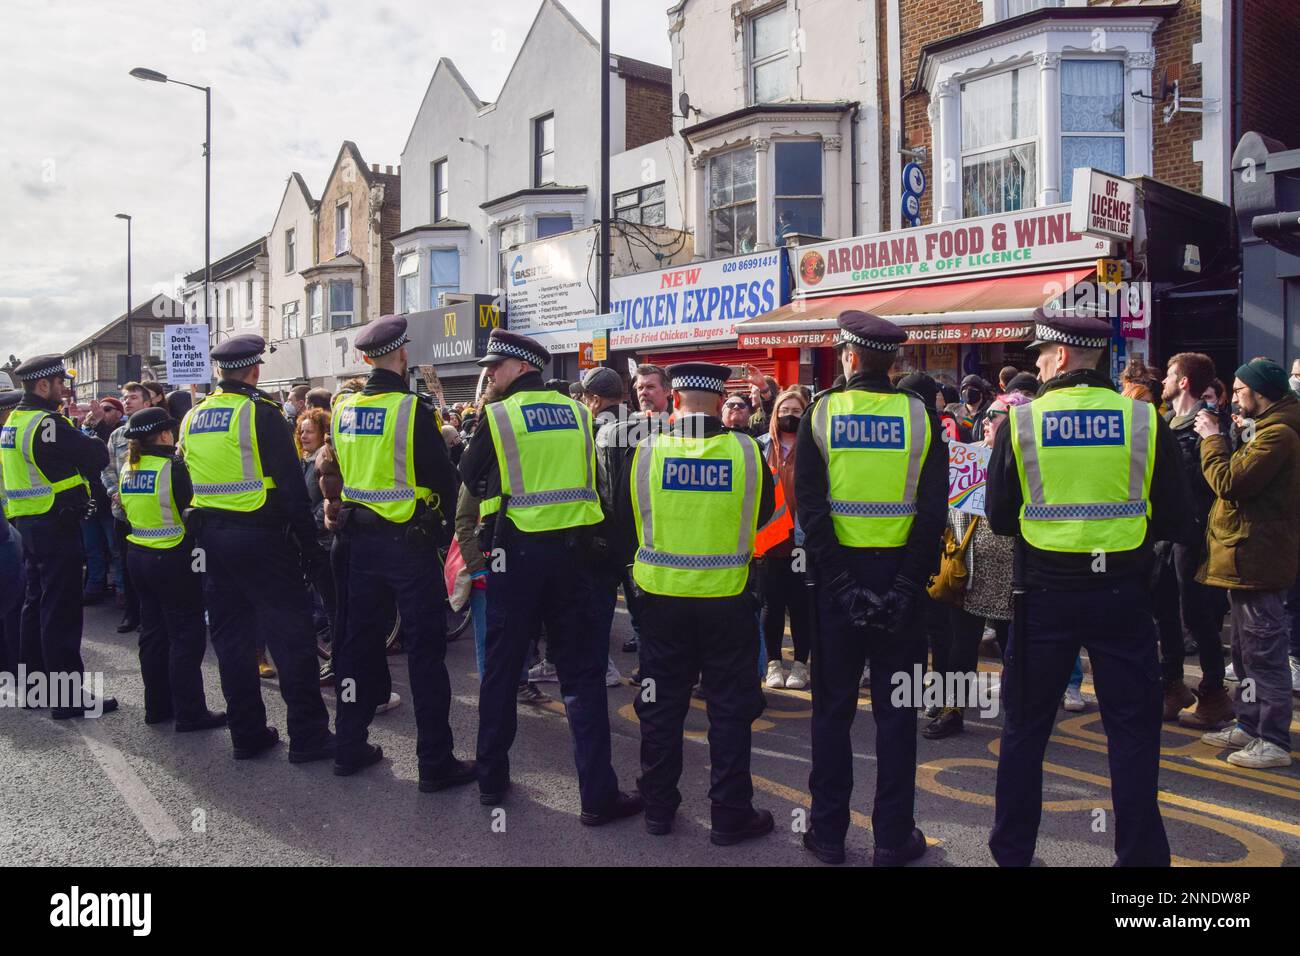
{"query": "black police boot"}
pixel 912 849
pixel 490 798
pixel 948 722
pixel 157 718
pixel 370 756
pixel 659 823
pixel 623 805
pixel 210 720
pixel 270 737
pixel 323 751
pixel 826 852
pixel 455 774
pixel 759 824
pixel 105 705
pixel 130 622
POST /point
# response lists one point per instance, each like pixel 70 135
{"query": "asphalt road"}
pixel 114 791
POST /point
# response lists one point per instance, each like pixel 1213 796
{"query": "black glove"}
pixel 896 606
pixel 859 604
pixel 315 560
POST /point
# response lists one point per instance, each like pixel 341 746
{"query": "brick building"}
pixel 95 357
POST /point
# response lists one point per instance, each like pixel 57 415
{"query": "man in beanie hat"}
pixel 1253 540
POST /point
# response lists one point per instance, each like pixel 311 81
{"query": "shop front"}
pixel 449 341
pixel 964 291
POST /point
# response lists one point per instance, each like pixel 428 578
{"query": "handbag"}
pixel 949 584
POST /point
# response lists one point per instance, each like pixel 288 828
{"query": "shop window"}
pixel 544 150
pixel 798 188
pixel 769 56
pixel 1092 118
pixel 732 208
pixel 999 142
pixel 340 304
pixel 444 267
pixel 408 282
pixel 644 205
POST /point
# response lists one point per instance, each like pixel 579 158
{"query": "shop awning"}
pixel 992 309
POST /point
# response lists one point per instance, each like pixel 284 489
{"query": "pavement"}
pixel 114 791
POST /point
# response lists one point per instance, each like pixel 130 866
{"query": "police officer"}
pixel 871 479
pixel 532 463
pixel 691 502
pixel 12 588
pixel 1087 479
pixel 257 539
pixel 47 462
pixel 155 490
pixel 399 487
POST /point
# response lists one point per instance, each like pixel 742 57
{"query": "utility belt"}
pixel 420 530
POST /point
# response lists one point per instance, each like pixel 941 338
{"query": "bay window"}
pixel 316 298
pixel 408 278
pixel 733 217
pixel 798 188
pixel 340 304
pixel 999 142
pixel 1092 118
pixel 444 268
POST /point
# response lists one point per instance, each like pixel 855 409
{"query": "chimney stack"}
pixel 388 170
pixel 374 167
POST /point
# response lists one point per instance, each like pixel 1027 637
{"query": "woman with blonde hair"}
pixel 785 588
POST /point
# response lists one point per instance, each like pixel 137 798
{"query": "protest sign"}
pixel 186 349
pixel 967 474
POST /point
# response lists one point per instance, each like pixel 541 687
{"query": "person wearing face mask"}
pixel 784 583
pixel 975 397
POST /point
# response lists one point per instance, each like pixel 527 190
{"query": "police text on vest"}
pixel 211 420
pixel 867 431
pixel 541 418
pixel 1100 427
pixel 696 474
pixel 362 421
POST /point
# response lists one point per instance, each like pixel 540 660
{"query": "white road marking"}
pixel 160 827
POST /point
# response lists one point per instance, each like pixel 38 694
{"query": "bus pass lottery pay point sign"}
pixel 186 349
pixel 968 472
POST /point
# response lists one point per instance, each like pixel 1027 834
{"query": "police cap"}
pixel 239 351
pixel 386 334
pixel 149 421
pixel 9 398
pixel 504 345
pixel 699 377
pixel 42 366
pixel 869 331
pixel 1080 331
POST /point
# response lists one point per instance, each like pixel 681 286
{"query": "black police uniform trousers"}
pixel 173 635
pixel 839 652
pixel 713 639
pixel 387 562
pixel 1115 624
pixel 53 555
pixel 545 581
pixel 255 594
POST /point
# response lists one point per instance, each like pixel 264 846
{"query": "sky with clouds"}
pixel 81 140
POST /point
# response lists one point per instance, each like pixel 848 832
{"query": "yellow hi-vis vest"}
pixel 27 490
pixel 874 444
pixel 374 442
pixel 1085 457
pixel 150 504
pixel 695 502
pixel 547 458
pixel 219 443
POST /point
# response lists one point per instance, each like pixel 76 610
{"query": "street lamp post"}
pixel 141 73
pixel 130 342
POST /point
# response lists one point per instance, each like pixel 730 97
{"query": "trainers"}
pixel 530 693
pixel 265 669
pixel 1233 737
pixel 542 672
pixel 612 677
pixel 775 675
pixel 1230 673
pixel 1260 754
pixel 631 646
pixel 865 680
pixel 798 678
pixel 393 702
pixel 1295 675
pixel 1213 710
pixel 1073 700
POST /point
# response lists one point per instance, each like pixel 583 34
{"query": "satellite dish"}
pixel 1163 89
pixel 684 104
